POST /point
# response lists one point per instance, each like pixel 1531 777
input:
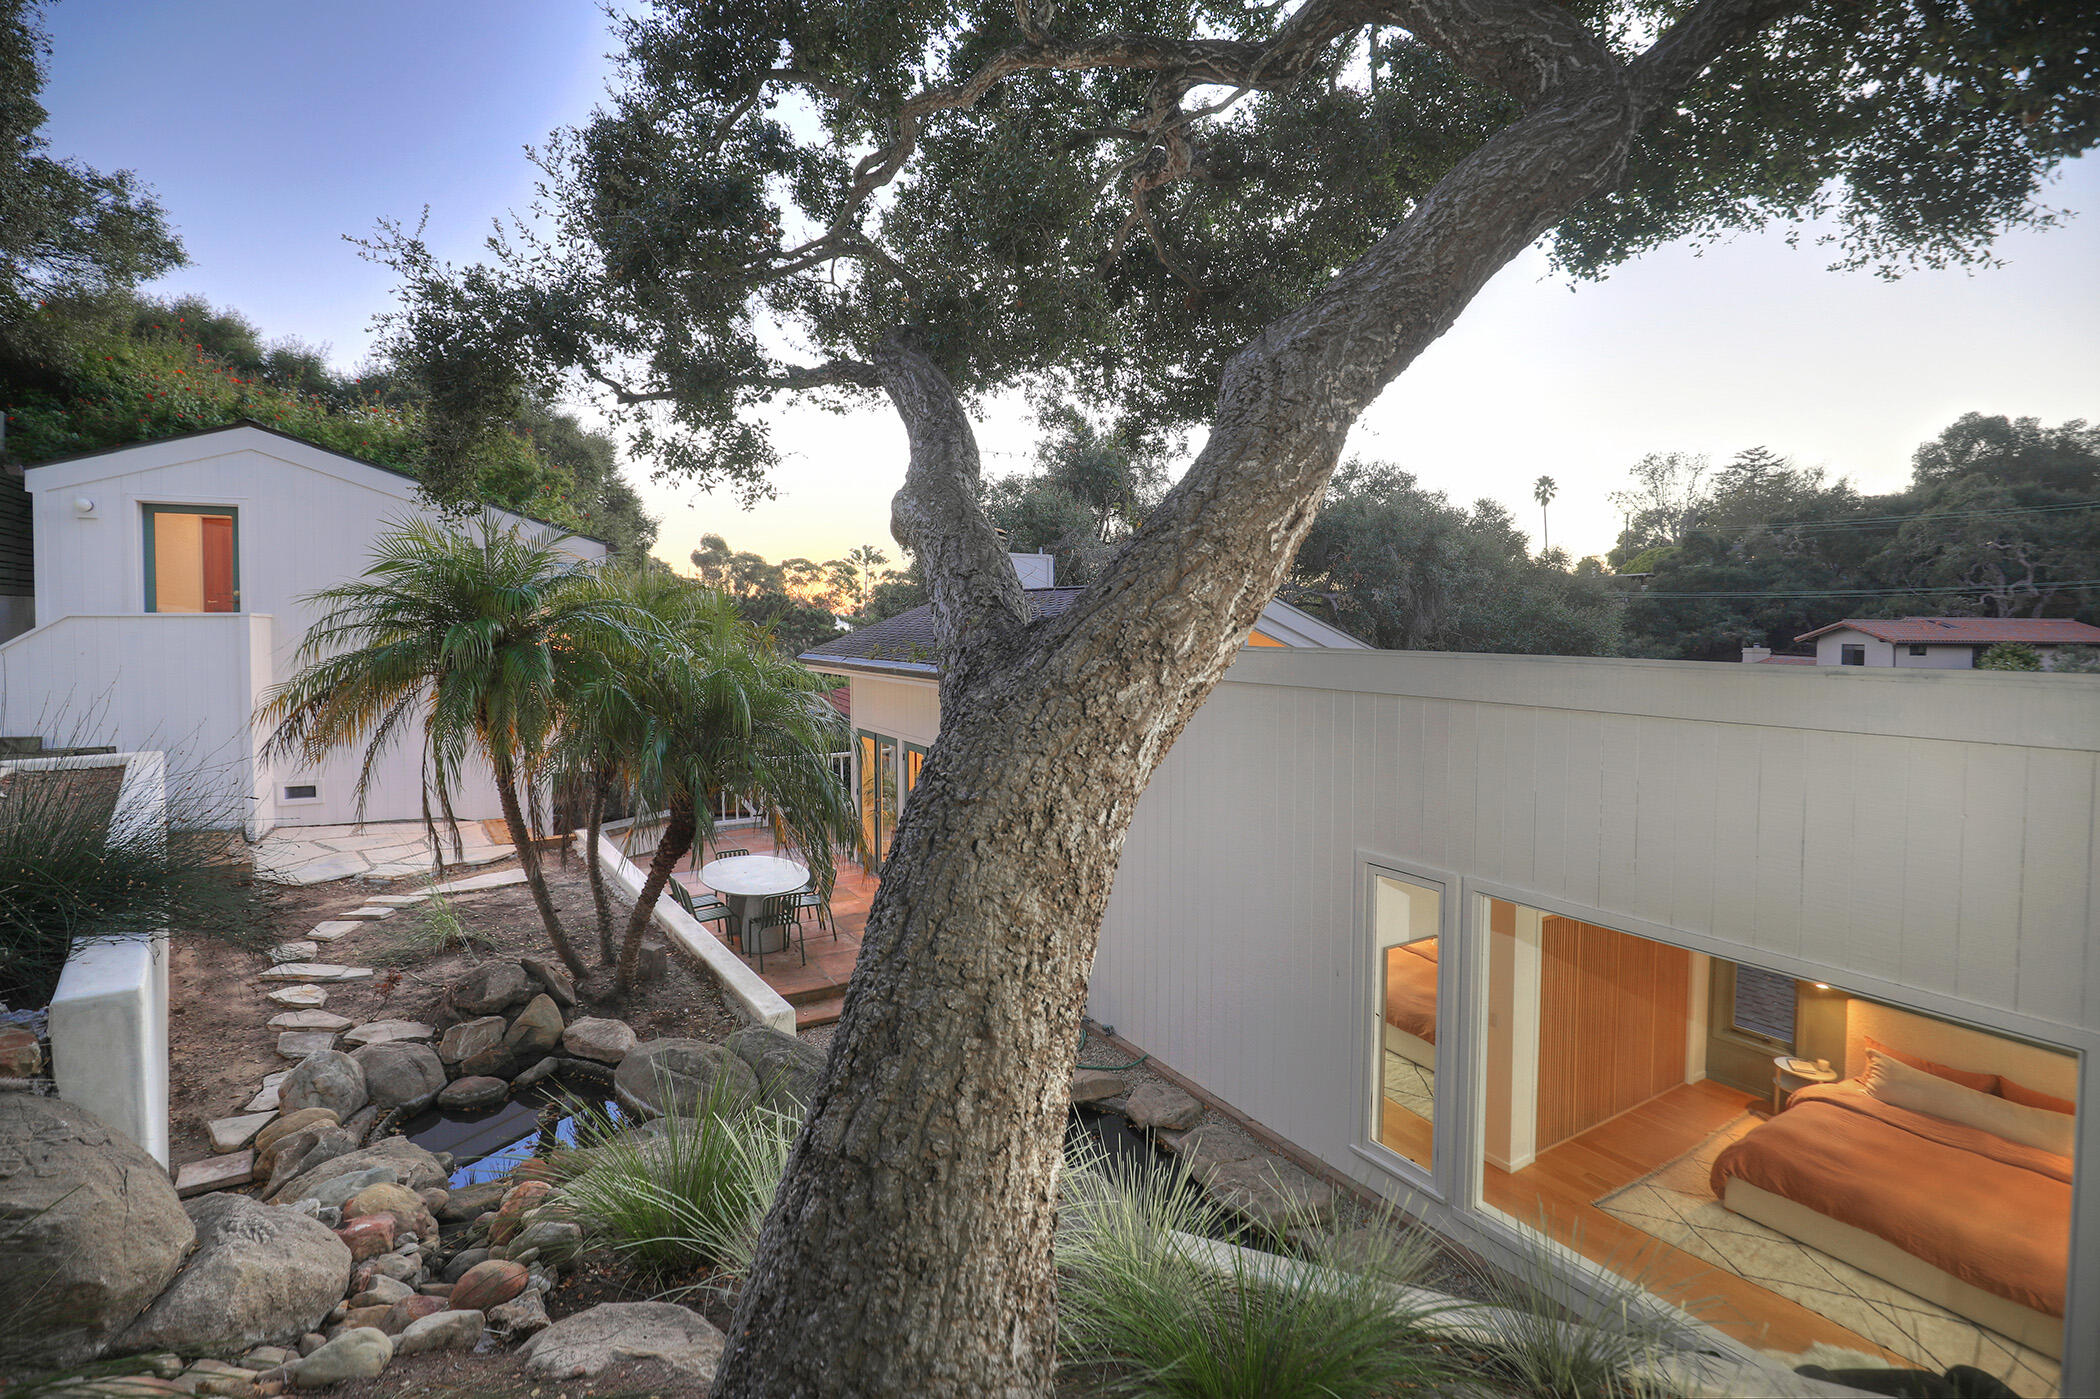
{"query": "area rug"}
pixel 1410 1085
pixel 1676 1204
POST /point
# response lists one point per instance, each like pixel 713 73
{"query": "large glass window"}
pixel 868 831
pixel 1865 1177
pixel 885 794
pixel 1406 918
pixel 192 559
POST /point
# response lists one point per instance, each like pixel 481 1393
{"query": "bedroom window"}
pixel 1763 1006
pixel 1406 918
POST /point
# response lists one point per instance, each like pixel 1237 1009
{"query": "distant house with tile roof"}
pixel 1939 643
pixel 892 668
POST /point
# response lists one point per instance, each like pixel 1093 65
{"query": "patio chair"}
pixel 817 895
pixel 779 912
pixel 730 854
pixel 714 910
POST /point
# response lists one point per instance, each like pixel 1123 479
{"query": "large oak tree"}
pixel 1248 217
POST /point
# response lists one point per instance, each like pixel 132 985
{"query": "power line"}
pixel 1849 592
pixel 1865 521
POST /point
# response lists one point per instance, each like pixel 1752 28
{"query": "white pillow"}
pixel 1900 1085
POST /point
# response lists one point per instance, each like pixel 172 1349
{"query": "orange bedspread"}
pixel 1410 989
pixel 1991 1212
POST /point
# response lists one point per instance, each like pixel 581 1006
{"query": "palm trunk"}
pixel 600 898
pixel 678 838
pixel 529 861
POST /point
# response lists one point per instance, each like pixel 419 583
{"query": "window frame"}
pixel 1450 1130
pixel 1852 653
pixel 147 512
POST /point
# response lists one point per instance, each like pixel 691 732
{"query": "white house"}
pixel 895 684
pixel 169 579
pixel 1534 946
pixel 1940 643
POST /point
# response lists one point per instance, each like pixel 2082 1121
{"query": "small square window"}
pixel 1917 648
pixel 1852 655
pixel 300 792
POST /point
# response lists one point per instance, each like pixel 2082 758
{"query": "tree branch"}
pixel 1527 48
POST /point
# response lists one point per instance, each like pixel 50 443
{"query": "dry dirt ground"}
pixel 220 1042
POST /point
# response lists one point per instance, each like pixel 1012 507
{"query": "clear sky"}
pixel 270 131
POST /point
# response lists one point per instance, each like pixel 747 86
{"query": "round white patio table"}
pixel 745 882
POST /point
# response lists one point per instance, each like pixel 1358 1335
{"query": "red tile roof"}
pixel 1785 660
pixel 1969 631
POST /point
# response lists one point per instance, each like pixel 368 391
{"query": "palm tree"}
pixel 731 715
pixel 861 562
pixel 1543 490
pixel 476 634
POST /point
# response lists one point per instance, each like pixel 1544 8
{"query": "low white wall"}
pixel 109 1014
pixel 747 993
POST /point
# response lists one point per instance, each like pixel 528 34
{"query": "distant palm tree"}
pixel 729 714
pixel 473 635
pixel 1543 490
pixel 861 562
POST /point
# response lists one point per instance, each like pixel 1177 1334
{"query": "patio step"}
pixel 820 1012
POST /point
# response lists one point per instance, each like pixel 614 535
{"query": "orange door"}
pixel 219 595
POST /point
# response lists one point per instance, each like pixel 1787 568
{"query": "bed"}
pixel 1950 1212
pixel 1410 1001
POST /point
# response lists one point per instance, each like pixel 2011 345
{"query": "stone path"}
pixel 379 850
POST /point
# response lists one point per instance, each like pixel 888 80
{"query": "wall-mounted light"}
pixel 1822 985
pixel 83 505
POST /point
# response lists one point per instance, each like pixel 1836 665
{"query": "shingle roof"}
pixel 906 640
pixel 1969 631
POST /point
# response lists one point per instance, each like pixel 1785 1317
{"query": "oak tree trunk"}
pixel 679 826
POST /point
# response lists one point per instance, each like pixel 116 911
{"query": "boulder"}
pixel 492 1062
pixel 1162 1108
pixel 489 1284
pixel 536 1031
pixel 451 1329
pixel 417 1169
pixel 523 1315
pixel 407 1208
pixel 605 1041
pixel 329 1079
pixel 557 1241
pixel 553 978
pixel 679 1075
pixel 21 1056
pixel 472 1094
pixel 1272 1195
pixel 261 1276
pixel 490 989
pixel 786 1069
pixel 410 1310
pixel 93 1231
pixel 1095 1085
pixel 306 1151
pixel 401 1074
pixel 267 1139
pixel 379 1289
pixel 472 1201
pixel 470 1037
pixel 358 1354
pixel 614 1333
pixel 527 1077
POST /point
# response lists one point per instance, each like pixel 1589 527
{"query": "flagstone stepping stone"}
pixel 397 900
pixel 333 929
pixel 499 879
pixel 215 1173
pixel 297 1044
pixel 300 997
pixel 298 950
pixel 315 971
pixel 372 912
pixel 387 1031
pixel 310 1020
pixel 399 869
pixel 266 1100
pixel 233 1133
pixel 340 865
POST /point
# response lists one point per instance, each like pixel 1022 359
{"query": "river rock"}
pixel 357 1354
pixel 489 1284
pixel 369 1237
pixel 410 1310
pixel 409 1212
pixel 536 1031
pixel 786 1069
pixel 462 1263
pixel 556 1241
pixel 470 1037
pixel 679 1075
pixel 417 1169
pixel 613 1333
pixel 553 978
pixel 401 1074
pixel 525 1078
pixel 606 1041
pixel 472 1094
pixel 21 1056
pixel 388 1032
pixel 451 1329
pixel 379 1289
pixel 267 1139
pixel 490 989
pixel 93 1229
pixel 328 1079
pixel 261 1276
pixel 523 1315
pixel 1162 1108
pixel 471 1201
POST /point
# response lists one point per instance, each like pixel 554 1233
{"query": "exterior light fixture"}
pixel 83 505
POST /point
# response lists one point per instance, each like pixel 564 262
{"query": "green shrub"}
pixel 2076 660
pixel 2010 655
pixel 686 1192
pixel 1145 1292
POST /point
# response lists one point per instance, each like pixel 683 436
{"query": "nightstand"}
pixel 1786 1077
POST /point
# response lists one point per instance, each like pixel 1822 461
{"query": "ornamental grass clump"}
pixel 687 1191
pixel 1148 1295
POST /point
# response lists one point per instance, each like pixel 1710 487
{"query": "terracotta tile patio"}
pixel 817 989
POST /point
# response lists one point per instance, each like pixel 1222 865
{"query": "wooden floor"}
pixel 1556 1195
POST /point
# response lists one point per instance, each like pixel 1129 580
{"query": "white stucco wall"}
pixel 307 520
